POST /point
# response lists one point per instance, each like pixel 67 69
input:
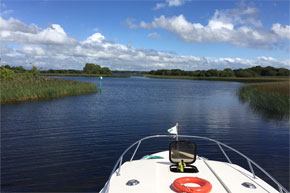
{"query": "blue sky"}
pixel 145 35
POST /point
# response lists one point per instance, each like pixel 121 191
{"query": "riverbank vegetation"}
pixel 20 87
pixel 233 79
pixel 89 70
pixel 270 97
pixel 256 71
pixel 85 75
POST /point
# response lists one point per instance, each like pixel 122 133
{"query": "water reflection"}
pixel 71 144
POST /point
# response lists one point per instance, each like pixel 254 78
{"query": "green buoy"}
pixel 101 78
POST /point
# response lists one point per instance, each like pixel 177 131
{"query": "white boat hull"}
pixel 154 176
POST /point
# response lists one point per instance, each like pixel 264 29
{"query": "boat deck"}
pixel 155 176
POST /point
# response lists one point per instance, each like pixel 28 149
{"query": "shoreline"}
pixel 232 79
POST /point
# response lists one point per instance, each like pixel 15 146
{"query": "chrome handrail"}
pixel 220 144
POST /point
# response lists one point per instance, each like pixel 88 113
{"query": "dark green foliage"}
pixel 257 69
pixel 245 73
pixel 227 73
pixel 249 72
pixel 282 72
pixel 96 69
pixel 269 71
pixel 69 71
pixel 92 68
pixel 106 70
pixel 212 72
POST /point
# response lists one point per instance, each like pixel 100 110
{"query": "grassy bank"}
pixel 22 89
pixel 271 97
pixel 233 79
pixel 86 75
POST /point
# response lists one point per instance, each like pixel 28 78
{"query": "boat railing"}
pixel 117 167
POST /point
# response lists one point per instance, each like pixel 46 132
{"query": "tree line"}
pixel 248 72
pixel 89 68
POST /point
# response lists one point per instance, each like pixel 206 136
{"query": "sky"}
pixel 145 35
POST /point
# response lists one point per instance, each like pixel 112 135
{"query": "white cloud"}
pixel 154 35
pixel 175 3
pixel 159 6
pixel 129 22
pixel 95 38
pixel 170 3
pixel 13 30
pixel 50 53
pixel 238 27
pixel 32 50
pixel 282 31
pixel 14 25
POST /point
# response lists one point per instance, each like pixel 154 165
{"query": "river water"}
pixel 71 144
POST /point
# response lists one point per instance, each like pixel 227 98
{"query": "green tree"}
pixel 257 69
pixel 269 71
pixel 227 73
pixel 92 68
pixel 89 67
pixel 201 73
pixel 7 67
pixel 106 70
pixel 245 73
pixel 283 72
pixel 212 72
pixel 176 72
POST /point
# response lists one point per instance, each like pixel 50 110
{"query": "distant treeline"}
pixel 89 68
pixel 249 72
pixel 130 72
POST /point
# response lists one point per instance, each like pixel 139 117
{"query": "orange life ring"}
pixel 178 185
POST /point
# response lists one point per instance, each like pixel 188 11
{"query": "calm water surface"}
pixel 71 144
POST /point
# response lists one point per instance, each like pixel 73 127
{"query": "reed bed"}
pixel 22 89
pixel 272 97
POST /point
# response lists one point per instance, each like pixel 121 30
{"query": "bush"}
pixel 6 74
pixel 34 72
